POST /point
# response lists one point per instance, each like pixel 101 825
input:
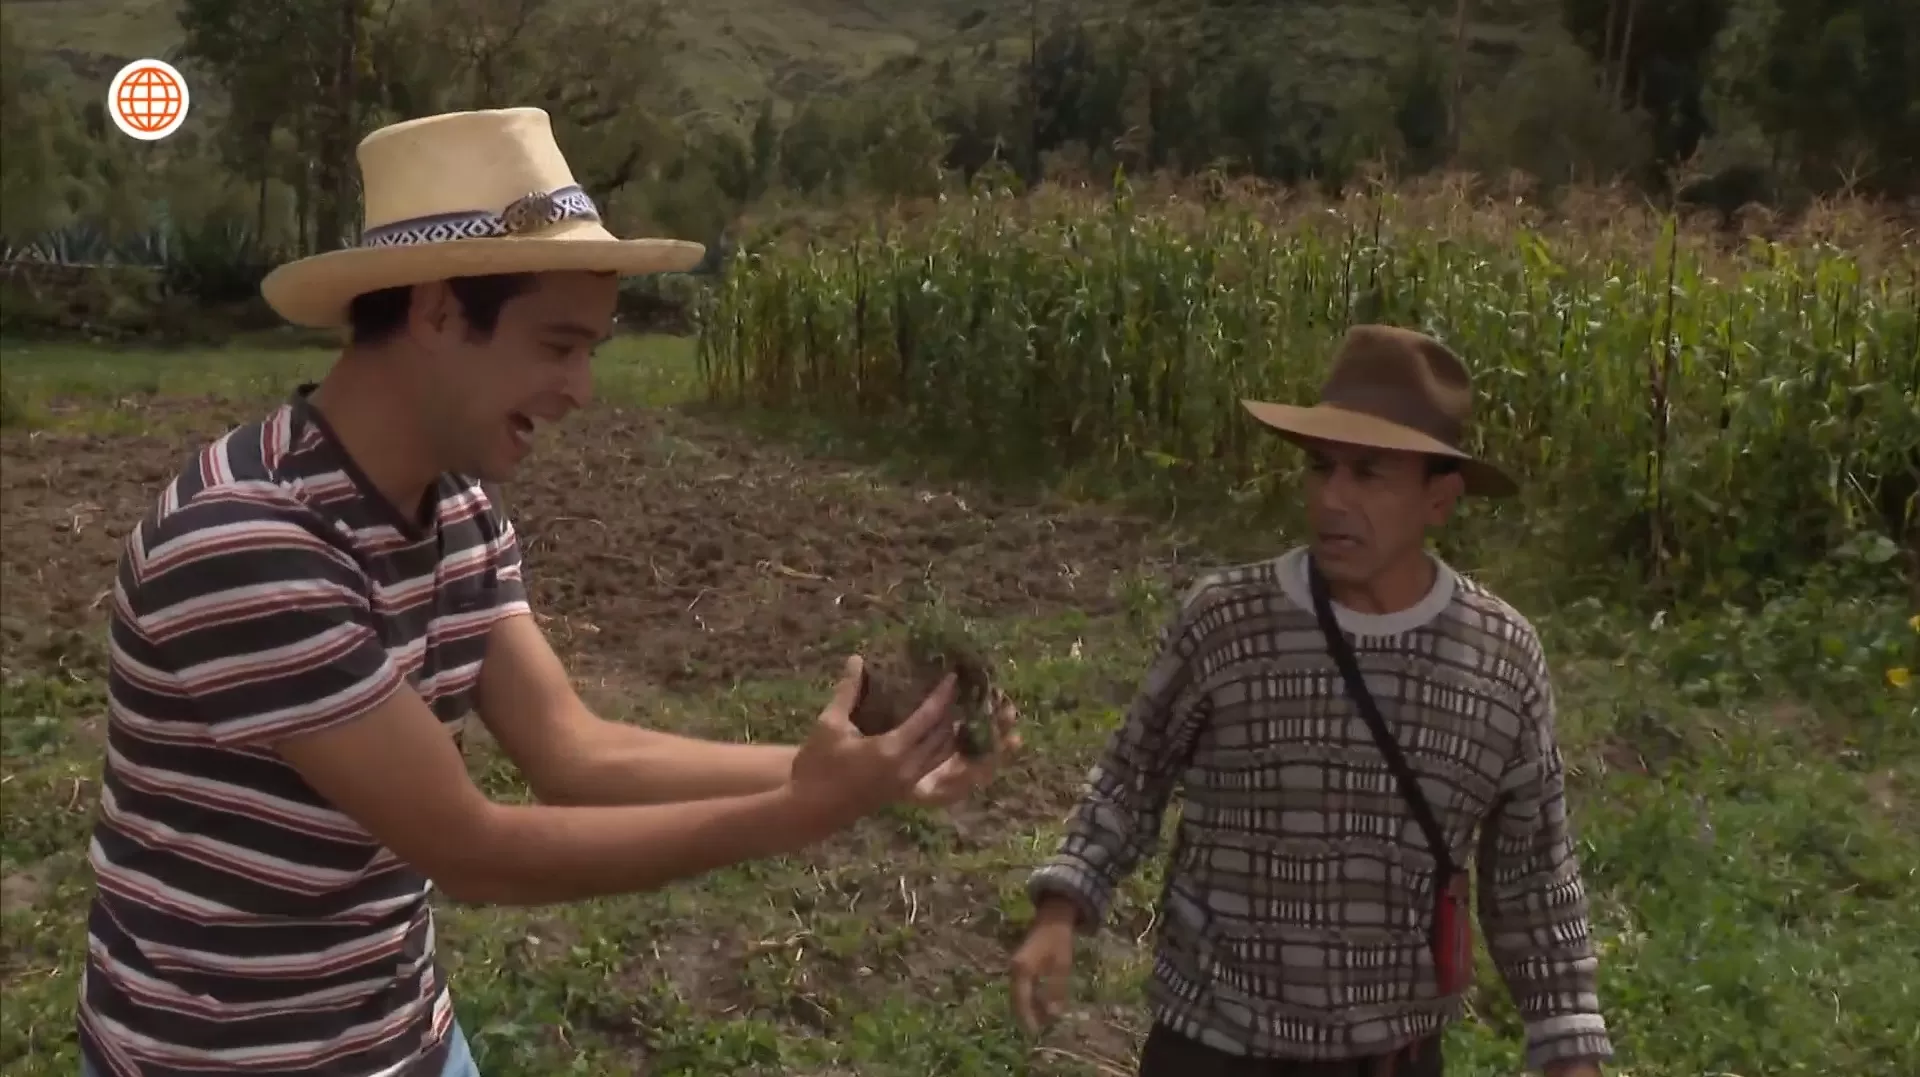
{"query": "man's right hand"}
pixel 840 774
pixel 1043 965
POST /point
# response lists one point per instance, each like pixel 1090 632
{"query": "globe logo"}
pixel 147 100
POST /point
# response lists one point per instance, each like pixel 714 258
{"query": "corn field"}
pixel 1707 412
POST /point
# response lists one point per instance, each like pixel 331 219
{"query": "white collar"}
pixel 1292 567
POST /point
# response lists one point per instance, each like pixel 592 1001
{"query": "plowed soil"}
pixel 681 550
pixel 667 555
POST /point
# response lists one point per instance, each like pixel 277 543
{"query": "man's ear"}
pixel 433 314
pixel 1443 493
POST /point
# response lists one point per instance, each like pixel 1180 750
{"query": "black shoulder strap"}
pixel 1342 652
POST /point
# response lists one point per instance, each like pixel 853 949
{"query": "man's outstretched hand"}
pixel 840 775
pixel 957 778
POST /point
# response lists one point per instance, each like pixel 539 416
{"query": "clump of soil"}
pixel 902 674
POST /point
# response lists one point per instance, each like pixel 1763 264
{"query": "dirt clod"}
pixel 898 677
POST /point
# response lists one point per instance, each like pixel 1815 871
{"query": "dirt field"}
pixel 682 568
pixel 1746 849
pixel 672 549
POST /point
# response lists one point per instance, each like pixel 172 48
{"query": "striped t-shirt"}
pixel 241 923
pixel 1299 893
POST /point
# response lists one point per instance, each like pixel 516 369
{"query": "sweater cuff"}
pixel 1568 1038
pixel 1069 878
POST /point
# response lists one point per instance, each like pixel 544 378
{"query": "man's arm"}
pixel 568 754
pixel 571 756
pixel 1117 821
pixel 1533 903
pixel 395 772
pixel 248 606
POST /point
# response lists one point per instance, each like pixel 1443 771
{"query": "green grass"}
pixel 74 388
pixel 1746 789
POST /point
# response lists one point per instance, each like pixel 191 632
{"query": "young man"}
pixel 303 622
pixel 1304 926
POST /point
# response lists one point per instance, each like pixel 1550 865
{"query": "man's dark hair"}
pixel 1442 465
pixel 375 316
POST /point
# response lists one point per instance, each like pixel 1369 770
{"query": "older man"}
pixel 1342 719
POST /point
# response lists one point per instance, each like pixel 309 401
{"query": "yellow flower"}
pixel 1899 677
pixel 1913 622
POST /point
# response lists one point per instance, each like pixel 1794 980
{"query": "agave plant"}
pixel 221 261
pixel 77 244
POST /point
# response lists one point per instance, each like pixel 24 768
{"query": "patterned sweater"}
pixel 1294 919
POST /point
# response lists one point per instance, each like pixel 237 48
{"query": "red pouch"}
pixel 1453 935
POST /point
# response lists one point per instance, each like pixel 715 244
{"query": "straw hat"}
pixel 464 194
pixel 1392 389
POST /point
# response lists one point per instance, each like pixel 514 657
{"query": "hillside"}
pixel 738 52
pixel 735 51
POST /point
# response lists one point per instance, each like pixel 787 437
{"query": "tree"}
pixel 904 150
pixel 764 149
pixel 1838 83
pixel 297 66
pixel 1419 87
pixel 597 70
pixel 29 115
pixel 1554 119
pixel 815 150
pixel 1654 55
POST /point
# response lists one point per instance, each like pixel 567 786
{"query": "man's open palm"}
pixel 840 775
pixel 957 778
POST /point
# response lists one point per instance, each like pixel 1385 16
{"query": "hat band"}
pixel 531 213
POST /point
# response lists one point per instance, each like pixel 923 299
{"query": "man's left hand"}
pixel 955 779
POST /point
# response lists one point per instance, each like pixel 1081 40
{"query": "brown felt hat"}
pixel 1392 389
